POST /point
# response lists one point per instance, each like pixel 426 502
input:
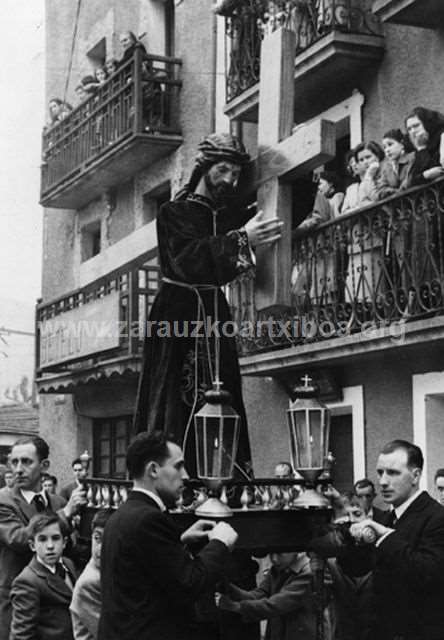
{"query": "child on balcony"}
pixel 285 598
pixel 395 173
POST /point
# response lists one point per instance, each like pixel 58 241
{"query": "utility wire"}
pixel 73 44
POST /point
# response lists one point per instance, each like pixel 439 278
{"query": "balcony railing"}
pixel 370 268
pixel 106 319
pixel 141 98
pixel 311 20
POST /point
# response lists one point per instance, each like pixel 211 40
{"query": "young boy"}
pixel 87 598
pixel 284 598
pixel 41 593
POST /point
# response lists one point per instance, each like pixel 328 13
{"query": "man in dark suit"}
pixel 79 474
pixel 150 581
pixel 29 460
pixel 364 490
pixel 409 550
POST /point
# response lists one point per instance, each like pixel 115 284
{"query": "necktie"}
pixel 39 503
pixel 392 519
pixel 60 571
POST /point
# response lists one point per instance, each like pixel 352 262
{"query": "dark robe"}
pixel 190 253
pixel 426 158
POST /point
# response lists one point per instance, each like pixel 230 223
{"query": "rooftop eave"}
pixel 67 381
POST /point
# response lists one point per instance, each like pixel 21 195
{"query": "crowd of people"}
pixel 145 578
pixel 404 159
pixel 88 86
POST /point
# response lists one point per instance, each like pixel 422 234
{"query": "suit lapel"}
pixel 54 582
pixel 25 509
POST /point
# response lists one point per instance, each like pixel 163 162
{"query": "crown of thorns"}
pixel 221 146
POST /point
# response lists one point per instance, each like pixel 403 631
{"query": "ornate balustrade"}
pixel 140 98
pixel 259 494
pixel 103 319
pixel 264 514
pixel 374 267
pixel 249 20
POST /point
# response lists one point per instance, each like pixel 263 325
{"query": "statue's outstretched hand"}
pixel 260 231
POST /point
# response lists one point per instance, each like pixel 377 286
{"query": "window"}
pixel 4 452
pixel 153 200
pixel 110 442
pixel 97 54
pixel 90 240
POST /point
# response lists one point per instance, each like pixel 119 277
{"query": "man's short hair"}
pixel 48 476
pixel 40 445
pixel 414 453
pixel 101 518
pixel 144 448
pixel 439 474
pixel 363 484
pixel 43 520
pixel 76 461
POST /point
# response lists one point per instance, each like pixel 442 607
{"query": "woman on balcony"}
pixel 204 243
pixel 426 131
pixel 424 242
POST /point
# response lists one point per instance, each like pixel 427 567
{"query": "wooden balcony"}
pixel 428 14
pixel 98 326
pixel 373 275
pixel 334 39
pixel 129 123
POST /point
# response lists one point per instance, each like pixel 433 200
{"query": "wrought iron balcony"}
pixel 374 267
pixel 131 121
pixel 428 14
pixel 334 39
pixel 101 323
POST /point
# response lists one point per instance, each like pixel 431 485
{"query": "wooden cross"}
pixel 282 155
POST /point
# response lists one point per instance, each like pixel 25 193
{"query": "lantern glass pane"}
pixel 216 445
pixel 309 428
pixel 298 438
pixel 316 439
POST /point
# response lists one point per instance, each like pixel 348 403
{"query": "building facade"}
pixel 305 82
pixel 107 167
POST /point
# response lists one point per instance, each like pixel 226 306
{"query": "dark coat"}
pixel 285 599
pixel 189 253
pixel 15 514
pixel 150 582
pixel 66 491
pixel 40 604
pixel 409 575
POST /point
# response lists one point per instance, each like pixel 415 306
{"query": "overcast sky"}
pixel 22 114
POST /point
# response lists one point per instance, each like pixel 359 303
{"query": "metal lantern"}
pixel 217 437
pixel 309 425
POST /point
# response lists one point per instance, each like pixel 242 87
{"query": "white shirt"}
pixel 157 499
pixel 398 513
pixel 29 495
